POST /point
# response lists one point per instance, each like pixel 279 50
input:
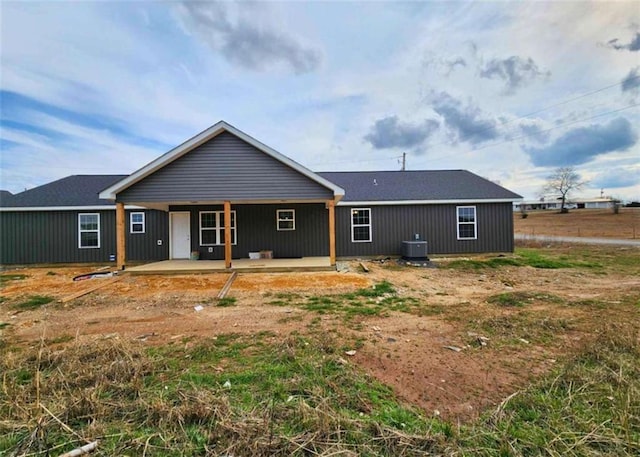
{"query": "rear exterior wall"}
pixel 437 224
pixel 52 236
pixel 256 230
pixel 31 237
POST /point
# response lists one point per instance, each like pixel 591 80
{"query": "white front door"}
pixel 180 228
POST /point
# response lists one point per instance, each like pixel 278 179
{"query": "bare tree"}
pixel 562 182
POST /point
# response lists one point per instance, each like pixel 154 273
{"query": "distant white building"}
pixel 595 203
pixel 576 203
pixel 534 205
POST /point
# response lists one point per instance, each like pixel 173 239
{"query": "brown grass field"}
pixel 591 223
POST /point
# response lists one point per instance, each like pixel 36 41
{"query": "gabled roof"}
pixel 177 152
pixel 70 192
pixel 406 187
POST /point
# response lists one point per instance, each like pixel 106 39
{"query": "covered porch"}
pixel 241 265
pixel 227 196
pixel 226 236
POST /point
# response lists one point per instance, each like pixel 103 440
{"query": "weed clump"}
pixel 378 290
pixel 226 301
pixel 34 302
pixel 373 301
pixel 5 278
pixel 523 258
pixel 520 299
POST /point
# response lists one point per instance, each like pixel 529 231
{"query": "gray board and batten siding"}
pixel 256 230
pixel 41 225
pixel 28 237
pixel 225 168
pixel 437 224
pixel 423 202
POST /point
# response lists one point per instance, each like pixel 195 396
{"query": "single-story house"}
pixel 595 203
pixel 223 194
pixel 534 205
pixel 574 203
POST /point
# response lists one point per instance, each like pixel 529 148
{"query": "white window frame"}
pixel 361 225
pixel 279 220
pixel 131 223
pixel 474 223
pixel 218 230
pixel 80 231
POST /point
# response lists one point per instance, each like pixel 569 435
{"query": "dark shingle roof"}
pixel 5 196
pixel 361 186
pixel 78 190
pixel 417 185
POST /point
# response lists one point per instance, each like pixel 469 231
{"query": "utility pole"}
pixel 404 161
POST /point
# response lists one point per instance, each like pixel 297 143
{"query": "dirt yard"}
pixel 457 354
pixel 596 223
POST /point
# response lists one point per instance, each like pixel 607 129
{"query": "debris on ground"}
pixel 82 450
pixel 95 275
pixel 227 285
pixel 89 290
pixel 382 260
pixel 350 353
pixel 453 348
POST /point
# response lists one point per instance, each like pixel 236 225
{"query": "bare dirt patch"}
pixel 308 282
pixel 408 351
pixel 592 223
pixel 161 308
pixel 411 354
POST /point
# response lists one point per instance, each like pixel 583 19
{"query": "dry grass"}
pixel 138 401
pixel 589 407
pixel 141 402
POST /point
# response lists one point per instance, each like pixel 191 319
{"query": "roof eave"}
pixel 20 209
pixel 426 202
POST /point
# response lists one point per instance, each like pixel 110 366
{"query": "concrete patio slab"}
pixel 241 265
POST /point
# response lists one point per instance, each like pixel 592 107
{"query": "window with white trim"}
pixel 136 223
pixel 212 228
pixel 467 226
pixel 286 219
pixel 360 225
pixel 88 230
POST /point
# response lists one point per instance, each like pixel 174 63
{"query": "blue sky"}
pixel 509 91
